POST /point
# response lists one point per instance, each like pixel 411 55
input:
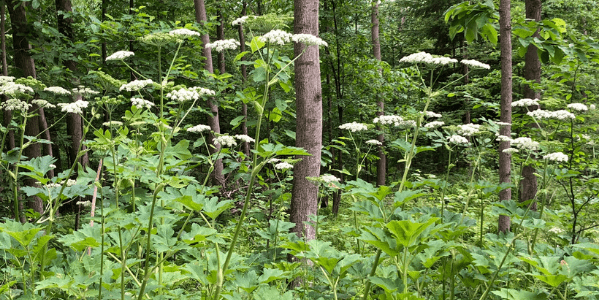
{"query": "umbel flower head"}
pixel 544 114
pixel 577 106
pixel 457 139
pixel 244 138
pixel 57 90
pixel 136 85
pixel 182 32
pixel 557 156
pixel 15 89
pixel 388 120
pixel 373 142
pixel 468 129
pixel 283 166
pixel 141 103
pixel 354 127
pixel 276 36
pixel 199 128
pixel 308 39
pixel 120 55
pixel 475 64
pixel 183 95
pixel 225 140
pixel 434 124
pixel 75 107
pixel 525 143
pixel 239 21
pixel 42 103
pixel 423 57
pixel 15 104
pixel 525 102
pixel 222 45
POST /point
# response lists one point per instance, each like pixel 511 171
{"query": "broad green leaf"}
pixel 406 232
pixel 511 294
pixel 213 207
pixel 256 44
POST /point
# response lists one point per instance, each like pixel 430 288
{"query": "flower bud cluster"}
pixel 221 45
pixel 225 140
pixel 199 128
pixel 120 55
pixel 75 107
pixel 141 103
pixel 57 90
pixel 354 127
pixel 557 156
pixel 136 85
pixel 386 120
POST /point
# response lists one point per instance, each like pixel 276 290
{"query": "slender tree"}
pixel 532 72
pixel 505 105
pixel 7 113
pixel 308 119
pixel 244 79
pixel 213 120
pixel 381 163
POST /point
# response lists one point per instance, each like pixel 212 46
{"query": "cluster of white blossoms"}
pixel 225 140
pixel 555 230
pixel 434 124
pixel 308 39
pixel 43 103
pixel 592 106
pixel 544 114
pixel 70 182
pixel 328 178
pixel 202 91
pixel 113 124
pixel 457 139
pixel 15 104
pixel 354 127
pixel 578 106
pixel 244 138
pixel 525 102
pixel 221 45
pixel 475 64
pixel 184 32
pixel 57 90
pixel 239 21
pixel 408 123
pixel 84 91
pixel 431 114
pixel 423 57
pixel 510 150
pixel 183 95
pixel 141 103
pixel 557 156
pixel 199 128
pixel 13 89
pixel 52 166
pixel 273 160
pixel 503 138
pixel 74 107
pixel 283 166
pixel 5 79
pixel 136 85
pixel 276 36
pixel 525 143
pixel 373 142
pixel 502 123
pixel 468 129
pixel 387 120
pixel 120 55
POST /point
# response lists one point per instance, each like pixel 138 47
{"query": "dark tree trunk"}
pixel 24 63
pixel 244 79
pixel 309 119
pixel 221 36
pixel 505 105
pixel 213 121
pixel 531 72
pixel 381 163
pixel 7 113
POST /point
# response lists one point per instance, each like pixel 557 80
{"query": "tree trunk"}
pixel 244 79
pixel 213 121
pixel 25 64
pixel 221 36
pixel 7 113
pixel 531 72
pixel 505 105
pixel 381 163
pixel 308 119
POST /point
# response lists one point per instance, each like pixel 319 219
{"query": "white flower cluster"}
pixel 183 95
pixel 525 102
pixel 525 143
pixel 225 140
pixel 354 127
pixel 276 36
pixel 475 64
pixel 592 106
pixel 431 114
pixel 120 55
pixel 84 91
pixel 43 103
pixel 135 85
pixel 308 39
pixel 557 156
pixel 244 138
pixel 385 120
pixel 273 160
pixel 555 230
pixel 408 123
pixel 199 128
pixel 503 138
pixel 434 124
pixel 113 123
pixel 15 104
pixel 283 166
pixel 141 103
pixel 75 107
pixel 374 142
pixel 221 45
pixel 84 203
pixel 52 166
pixel 239 21
pixel 468 129
pixel 457 139
pixel 502 123
pixel 423 57
pixel 184 32
pixel 13 89
pixel 57 90
pixel 577 106
pixel 544 114
pixel 510 150
pixel 202 91
pixel 5 79
pixel 70 182
pixel 327 178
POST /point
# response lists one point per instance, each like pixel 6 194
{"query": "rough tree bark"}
pixel 25 64
pixel 213 121
pixel 531 72
pixel 505 105
pixel 246 146
pixel 381 163
pixel 308 119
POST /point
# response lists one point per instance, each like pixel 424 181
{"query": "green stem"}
pixel 446 185
pixel 535 232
